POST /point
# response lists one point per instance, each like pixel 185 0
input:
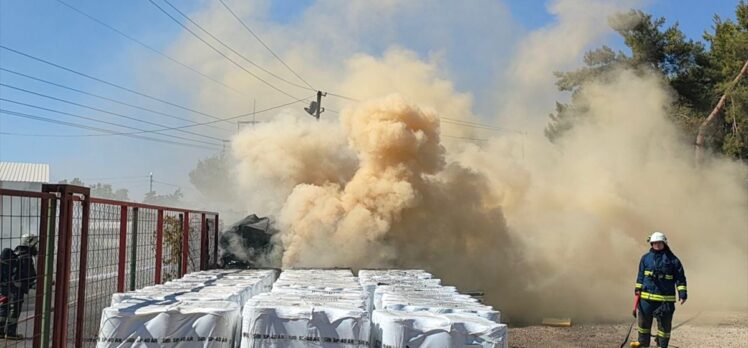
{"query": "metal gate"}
pixel 90 248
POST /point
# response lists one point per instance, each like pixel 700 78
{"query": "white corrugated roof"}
pixel 24 172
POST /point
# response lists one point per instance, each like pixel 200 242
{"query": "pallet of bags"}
pixel 169 323
pixel 412 309
pixel 199 310
pixel 397 329
pixel 308 308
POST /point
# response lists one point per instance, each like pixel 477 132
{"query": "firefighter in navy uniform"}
pixel 17 276
pixel 660 276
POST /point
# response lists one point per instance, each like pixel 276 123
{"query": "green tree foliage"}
pixel 100 190
pixel 75 181
pixel 212 177
pixel 169 199
pixel 729 44
pixel 106 191
pixel 698 76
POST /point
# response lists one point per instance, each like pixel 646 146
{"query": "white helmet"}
pixel 657 237
pixel 29 240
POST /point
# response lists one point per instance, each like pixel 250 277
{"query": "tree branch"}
pixel 720 105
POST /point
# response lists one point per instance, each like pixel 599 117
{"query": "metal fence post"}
pixel 159 245
pixel 81 308
pixel 62 277
pixel 203 243
pixel 64 248
pixel 216 230
pixel 133 248
pixel 48 274
pixel 181 245
pixel 185 242
pixel 45 262
pixel 122 249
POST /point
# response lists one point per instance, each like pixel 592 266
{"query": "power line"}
pixel 447 121
pixel 230 48
pixel 101 121
pixel 233 117
pixel 100 96
pixel 46 135
pixel 344 97
pixel 263 44
pixel 105 111
pixel 444 119
pixel 119 181
pixel 108 83
pixel 117 177
pixel 213 47
pixel 182 127
pixel 167 184
pixel 463 138
pixel 77 125
pixel 150 48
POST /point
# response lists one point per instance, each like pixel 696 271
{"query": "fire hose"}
pixel 637 297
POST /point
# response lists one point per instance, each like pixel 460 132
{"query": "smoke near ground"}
pixel 543 229
pixel 559 231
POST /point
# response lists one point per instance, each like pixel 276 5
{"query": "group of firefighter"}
pixel 660 278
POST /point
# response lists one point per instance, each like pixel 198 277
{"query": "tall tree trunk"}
pixel 720 105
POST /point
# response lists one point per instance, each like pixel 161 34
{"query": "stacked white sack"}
pixel 172 324
pixel 231 285
pixel 398 329
pixel 201 309
pixel 308 308
pixel 411 309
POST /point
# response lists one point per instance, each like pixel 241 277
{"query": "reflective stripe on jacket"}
pixel 660 275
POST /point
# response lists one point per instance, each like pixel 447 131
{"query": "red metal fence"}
pixel 90 248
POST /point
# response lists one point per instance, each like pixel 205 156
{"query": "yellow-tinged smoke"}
pixel 557 230
pixel 543 229
pixel 347 225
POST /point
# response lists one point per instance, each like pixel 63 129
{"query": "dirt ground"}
pixel 704 329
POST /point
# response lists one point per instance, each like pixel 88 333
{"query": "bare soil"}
pixel 704 329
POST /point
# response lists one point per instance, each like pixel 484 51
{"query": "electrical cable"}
pixel 77 125
pixel 265 45
pixel 93 119
pixel 105 111
pixel 107 82
pixel 214 48
pixel 100 96
pixel 150 48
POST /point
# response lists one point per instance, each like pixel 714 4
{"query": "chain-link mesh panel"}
pixel 76 210
pixel 21 214
pixel 101 266
pixel 172 246
pixel 145 261
pixel 193 260
pixel 20 218
pixel 210 225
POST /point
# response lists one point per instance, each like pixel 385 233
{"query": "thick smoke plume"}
pixel 543 229
pixel 558 231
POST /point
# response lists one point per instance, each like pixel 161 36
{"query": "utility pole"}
pixel 150 176
pixel 319 104
pixel 315 108
pixel 253 122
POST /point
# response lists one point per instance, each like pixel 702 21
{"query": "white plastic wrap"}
pixel 411 309
pixel 394 329
pixel 293 325
pixel 180 313
pixel 308 308
pixel 183 324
